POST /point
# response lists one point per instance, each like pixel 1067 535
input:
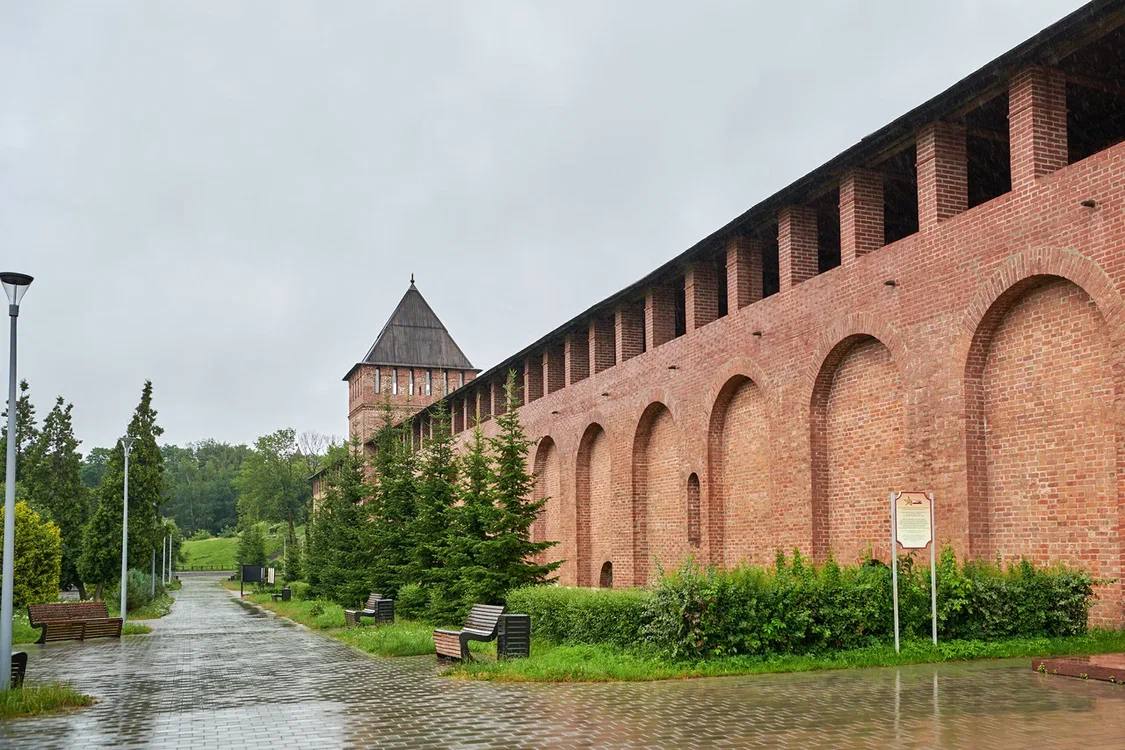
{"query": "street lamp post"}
pixel 15 286
pixel 127 445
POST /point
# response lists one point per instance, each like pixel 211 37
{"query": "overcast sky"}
pixel 229 197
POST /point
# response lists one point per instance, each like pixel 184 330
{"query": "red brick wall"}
pixel 740 480
pixel 857 459
pixel 550 525
pixel 1048 486
pixel 660 491
pixel 601 525
pixel 923 431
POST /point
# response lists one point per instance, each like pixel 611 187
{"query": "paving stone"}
pixel 217 673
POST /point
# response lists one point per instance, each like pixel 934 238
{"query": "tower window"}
pixel 378 380
pixel 429 382
pixel 410 382
pixel 394 381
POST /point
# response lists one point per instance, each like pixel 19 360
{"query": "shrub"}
pixel 300 589
pixel 577 615
pixel 411 601
pixel 138 590
pixel 797 607
pixel 38 558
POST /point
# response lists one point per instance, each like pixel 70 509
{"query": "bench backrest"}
pixel 484 617
pixel 65 611
pixel 371 600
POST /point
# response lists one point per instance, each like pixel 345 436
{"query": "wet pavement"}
pixel 217 673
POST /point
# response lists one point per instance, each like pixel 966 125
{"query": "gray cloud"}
pixel 229 198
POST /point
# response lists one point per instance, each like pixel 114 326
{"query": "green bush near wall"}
pixel 795 607
pixel 798 608
pixel 574 615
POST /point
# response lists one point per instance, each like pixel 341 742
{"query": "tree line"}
pixel 428 523
pixel 203 487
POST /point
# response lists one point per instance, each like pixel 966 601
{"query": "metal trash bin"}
pixel 286 594
pixel 513 637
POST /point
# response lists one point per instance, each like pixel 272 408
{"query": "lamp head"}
pixel 15 286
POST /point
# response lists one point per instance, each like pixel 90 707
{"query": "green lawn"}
pixel 551 662
pixel 222 552
pixel 217 552
pixel 35 700
pixel 402 638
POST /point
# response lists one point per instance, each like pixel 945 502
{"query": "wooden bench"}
pixel 480 625
pixel 285 595
pixel 377 607
pixel 73 621
pixel 19 668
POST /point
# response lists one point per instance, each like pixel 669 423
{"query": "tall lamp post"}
pixel 15 286
pixel 127 445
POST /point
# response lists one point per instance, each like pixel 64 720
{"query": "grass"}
pixel 135 628
pixel 552 662
pixel 401 638
pixel 217 552
pixel 221 552
pixel 36 700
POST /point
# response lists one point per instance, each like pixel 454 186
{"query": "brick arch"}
pixel 597 524
pixel 1043 399
pixel 856 437
pixel 1044 262
pixel 548 486
pixel 846 328
pixel 738 467
pixel 659 510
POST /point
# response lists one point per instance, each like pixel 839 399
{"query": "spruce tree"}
pixel 54 487
pixel 509 552
pixel 475 517
pixel 393 509
pixel 101 540
pixel 341 536
pixel 251 546
pixel 432 528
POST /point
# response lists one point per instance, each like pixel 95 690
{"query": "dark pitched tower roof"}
pixel 414 336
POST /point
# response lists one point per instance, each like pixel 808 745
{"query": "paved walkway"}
pixel 217 673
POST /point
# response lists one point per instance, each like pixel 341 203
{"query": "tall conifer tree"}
pixel 101 541
pixel 393 509
pixel 26 434
pixel 53 486
pixel 509 553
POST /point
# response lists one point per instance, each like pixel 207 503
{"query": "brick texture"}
pixel 991 373
pixel 1037 124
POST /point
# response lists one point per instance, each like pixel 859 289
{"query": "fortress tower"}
pixel 413 363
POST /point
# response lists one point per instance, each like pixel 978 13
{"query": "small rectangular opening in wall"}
pixel 827 230
pixel 900 195
pixel 988 150
pixel 720 264
pixel 771 270
pixel 679 297
pixel 1095 96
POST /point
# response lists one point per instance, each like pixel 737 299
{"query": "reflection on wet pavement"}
pixel 215 673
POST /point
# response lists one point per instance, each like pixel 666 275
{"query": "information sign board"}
pixel 913 527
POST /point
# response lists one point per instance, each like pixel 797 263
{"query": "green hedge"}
pixel 796 607
pixel 573 615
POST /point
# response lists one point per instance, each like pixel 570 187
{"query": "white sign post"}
pixel 912 527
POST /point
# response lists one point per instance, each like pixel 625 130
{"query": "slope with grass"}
pixel 221 552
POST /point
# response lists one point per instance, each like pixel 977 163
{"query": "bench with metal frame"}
pixel 377 607
pixel 480 625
